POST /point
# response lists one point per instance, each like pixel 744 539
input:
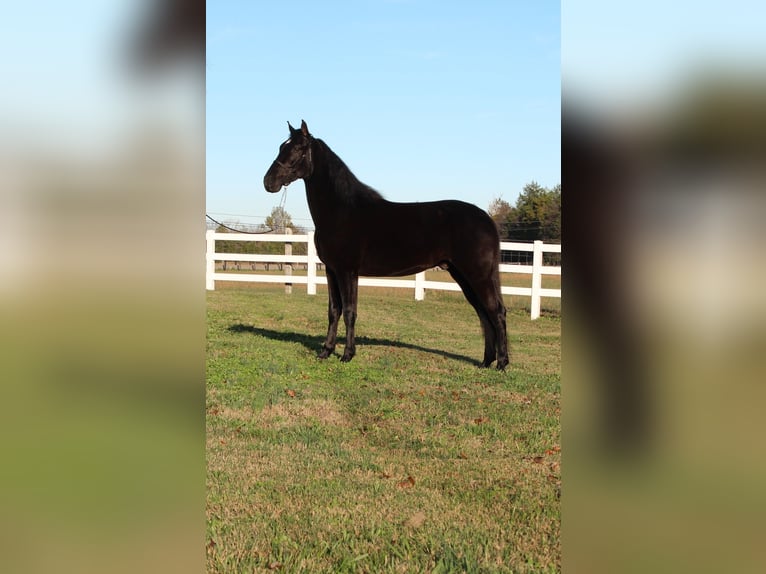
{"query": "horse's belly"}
pixel 388 255
pixel 376 270
pixel 397 263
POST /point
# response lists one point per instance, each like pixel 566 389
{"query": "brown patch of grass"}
pixel 291 413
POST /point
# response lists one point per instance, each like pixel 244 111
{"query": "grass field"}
pixel 407 459
pixel 552 304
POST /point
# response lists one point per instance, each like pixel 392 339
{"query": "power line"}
pixel 251 216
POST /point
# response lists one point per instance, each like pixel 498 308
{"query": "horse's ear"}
pixel 292 129
pixel 304 129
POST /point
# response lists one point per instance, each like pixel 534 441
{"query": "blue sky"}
pixel 69 89
pixel 639 53
pixel 423 100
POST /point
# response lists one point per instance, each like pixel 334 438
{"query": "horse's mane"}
pixel 345 182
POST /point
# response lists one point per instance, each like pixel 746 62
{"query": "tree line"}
pixel 536 215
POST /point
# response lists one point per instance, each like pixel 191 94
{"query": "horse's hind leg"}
pixel 486 325
pixel 491 300
pixel 485 296
pixel 501 341
pixel 489 344
pixel 491 297
pixel 333 315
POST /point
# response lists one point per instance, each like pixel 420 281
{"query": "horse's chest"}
pixel 336 250
pixel 326 248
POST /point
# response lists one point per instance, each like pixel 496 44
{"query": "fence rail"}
pixel 419 283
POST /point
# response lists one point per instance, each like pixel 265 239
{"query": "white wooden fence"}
pixel 419 284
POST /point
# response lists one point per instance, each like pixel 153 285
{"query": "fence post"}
pixel 209 260
pixel 537 276
pixel 311 265
pixel 288 264
pixel 420 290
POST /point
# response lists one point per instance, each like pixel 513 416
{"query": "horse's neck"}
pixel 320 212
pixel 326 197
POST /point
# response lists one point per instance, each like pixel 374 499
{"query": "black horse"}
pixel 358 232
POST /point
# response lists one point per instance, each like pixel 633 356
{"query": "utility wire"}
pixel 238 230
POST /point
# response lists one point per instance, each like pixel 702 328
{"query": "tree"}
pixel 500 211
pixel 536 215
pixel 279 220
pixel 552 218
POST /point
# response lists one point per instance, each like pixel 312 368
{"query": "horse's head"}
pixel 293 161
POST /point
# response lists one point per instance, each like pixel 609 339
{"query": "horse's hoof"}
pixel 501 365
pixel 346 357
pixel 324 353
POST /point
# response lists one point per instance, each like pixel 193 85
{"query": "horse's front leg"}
pixel 333 315
pixel 348 284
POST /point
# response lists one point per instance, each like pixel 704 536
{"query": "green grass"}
pixel 552 304
pixel 407 459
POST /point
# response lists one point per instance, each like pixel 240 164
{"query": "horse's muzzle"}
pixel 271 183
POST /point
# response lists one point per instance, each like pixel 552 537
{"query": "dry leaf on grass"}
pixel 210 546
pixel 408 482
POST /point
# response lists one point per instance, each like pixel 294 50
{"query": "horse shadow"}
pixel 313 343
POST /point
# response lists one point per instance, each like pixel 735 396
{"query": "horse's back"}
pixel 403 238
pixel 464 223
pixel 447 213
pixel 464 213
